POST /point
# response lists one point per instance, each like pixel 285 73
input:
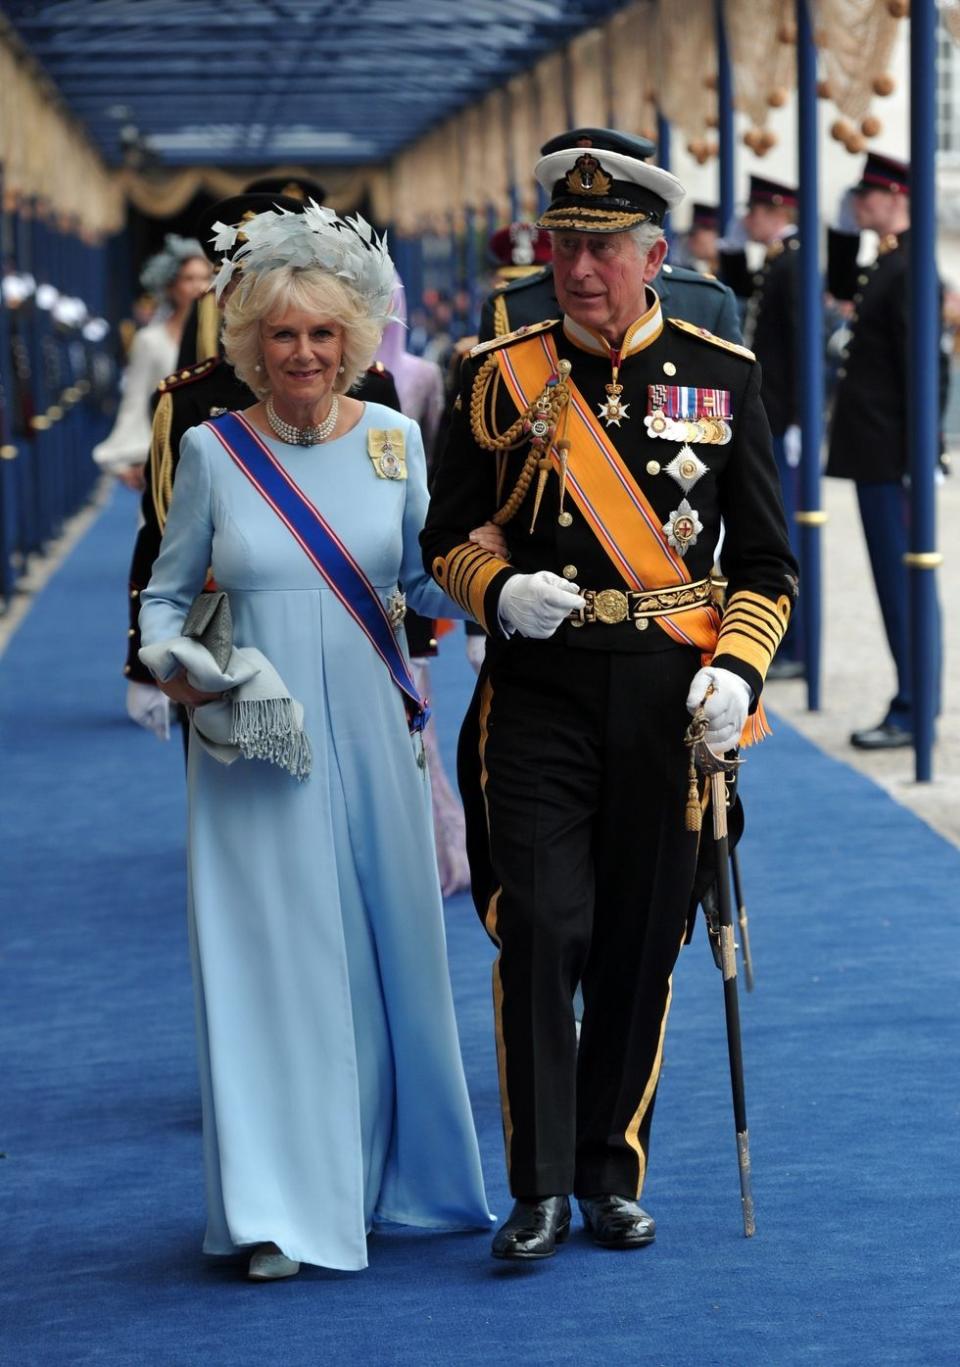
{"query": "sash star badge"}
pixel 686 468
pixel 683 527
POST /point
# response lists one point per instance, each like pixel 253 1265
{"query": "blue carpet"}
pixel 851 1044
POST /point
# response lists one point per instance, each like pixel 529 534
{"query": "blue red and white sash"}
pixel 323 548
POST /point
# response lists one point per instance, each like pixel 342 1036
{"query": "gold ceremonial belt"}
pixel 612 606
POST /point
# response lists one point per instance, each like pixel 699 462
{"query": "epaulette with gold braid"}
pixel 160 463
pixel 528 330
pixel 188 374
pixel 705 336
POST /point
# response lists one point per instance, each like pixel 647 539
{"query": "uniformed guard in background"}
pixel 684 293
pixel 770 296
pixel 697 249
pixel 869 441
pixel 189 397
pixel 606 441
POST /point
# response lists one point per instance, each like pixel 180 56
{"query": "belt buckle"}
pixel 610 606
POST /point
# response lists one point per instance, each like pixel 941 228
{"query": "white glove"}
pixel 792 446
pixel 536 604
pixel 476 651
pixel 149 707
pixel 725 710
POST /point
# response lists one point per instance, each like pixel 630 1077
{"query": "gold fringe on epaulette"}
pixel 551 403
pixel 208 327
pixel 161 459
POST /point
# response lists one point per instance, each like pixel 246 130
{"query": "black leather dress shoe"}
pixel 534 1229
pixel 617 1222
pixel 882 737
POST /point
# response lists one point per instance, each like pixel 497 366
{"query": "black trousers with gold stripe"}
pixel 573 772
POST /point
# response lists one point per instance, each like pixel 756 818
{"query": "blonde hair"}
pixel 266 295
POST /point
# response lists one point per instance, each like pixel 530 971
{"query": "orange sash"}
pixel 613 504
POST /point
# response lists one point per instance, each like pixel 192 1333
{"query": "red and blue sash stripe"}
pixel 324 549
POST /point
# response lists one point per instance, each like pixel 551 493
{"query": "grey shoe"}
pixel 268 1264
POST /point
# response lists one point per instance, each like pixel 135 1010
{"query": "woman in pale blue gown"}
pixel 333 1090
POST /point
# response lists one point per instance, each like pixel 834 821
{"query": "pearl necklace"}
pixel 303 436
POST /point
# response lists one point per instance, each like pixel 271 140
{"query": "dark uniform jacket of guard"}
pixel 186 399
pixel 869 434
pixel 683 293
pixel 770 323
pixel 572 764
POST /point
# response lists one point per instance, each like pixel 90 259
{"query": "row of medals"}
pixel 683 525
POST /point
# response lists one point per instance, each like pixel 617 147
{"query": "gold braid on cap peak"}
pixel 537 424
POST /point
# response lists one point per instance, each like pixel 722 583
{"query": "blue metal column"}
pixel 663 142
pixel 725 121
pixel 810 516
pixel 923 401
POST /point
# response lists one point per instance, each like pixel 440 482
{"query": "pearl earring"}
pixel 258 366
pixel 341 370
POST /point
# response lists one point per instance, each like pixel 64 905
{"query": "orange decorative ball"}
pixel 787 32
pixel 824 91
pixel 884 84
pixel 777 98
pixel 871 126
pixel 898 8
pixel 855 143
pixel 840 130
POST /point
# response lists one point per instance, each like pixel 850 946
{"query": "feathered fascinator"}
pixel 346 247
pixel 161 269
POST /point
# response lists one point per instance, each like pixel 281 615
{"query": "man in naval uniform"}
pixel 868 436
pixel 683 293
pixel 189 397
pixel 607 443
pixel 770 296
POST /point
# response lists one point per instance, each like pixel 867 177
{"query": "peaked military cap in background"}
pixel 598 182
pixel 883 173
pixel 705 216
pixel 773 192
pixel 268 192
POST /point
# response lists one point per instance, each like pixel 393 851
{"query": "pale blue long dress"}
pixel 332 1085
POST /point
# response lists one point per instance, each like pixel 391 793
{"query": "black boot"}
pixel 534 1228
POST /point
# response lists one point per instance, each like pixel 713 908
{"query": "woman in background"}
pixel 177 276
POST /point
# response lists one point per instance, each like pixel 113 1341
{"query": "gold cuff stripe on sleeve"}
pixel 759 609
pixel 751 652
pixel 741 615
pixel 763 630
pixel 466 573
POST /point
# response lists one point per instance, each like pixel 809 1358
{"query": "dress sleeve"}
pixel 180 570
pixel 129 442
pixel 423 595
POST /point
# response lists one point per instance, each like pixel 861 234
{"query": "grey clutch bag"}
pixel 209 621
